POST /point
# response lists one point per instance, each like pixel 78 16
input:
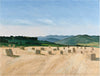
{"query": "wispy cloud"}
pixel 21 30
pixel 22 22
pixel 46 21
pixel 44 17
pixel 47 30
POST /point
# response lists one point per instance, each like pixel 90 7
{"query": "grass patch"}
pixel 93 44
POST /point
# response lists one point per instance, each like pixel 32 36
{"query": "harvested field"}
pixel 50 62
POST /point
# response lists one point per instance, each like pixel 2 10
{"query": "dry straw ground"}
pixel 25 62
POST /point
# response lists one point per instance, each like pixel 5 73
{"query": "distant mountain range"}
pixel 52 38
pixel 85 40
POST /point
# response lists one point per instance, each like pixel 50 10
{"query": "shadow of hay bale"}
pixel 97 59
pixel 93 57
pixel 14 56
pixel 9 53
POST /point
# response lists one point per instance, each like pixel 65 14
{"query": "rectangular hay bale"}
pixel 93 56
pixel 9 52
pixel 54 49
pixel 57 48
pixel 42 49
pixel 33 48
pixel 69 51
pixel 61 52
pixel 84 47
pixel 64 48
pixel 81 52
pixel 38 52
pixel 50 52
pixel 74 50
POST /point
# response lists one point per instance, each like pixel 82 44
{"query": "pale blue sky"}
pixel 44 17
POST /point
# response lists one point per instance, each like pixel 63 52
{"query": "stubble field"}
pixel 61 61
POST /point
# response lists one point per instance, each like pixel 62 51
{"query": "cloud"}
pixel 47 30
pixel 21 30
pixel 21 22
pixel 46 21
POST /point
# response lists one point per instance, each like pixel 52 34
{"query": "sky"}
pixel 49 17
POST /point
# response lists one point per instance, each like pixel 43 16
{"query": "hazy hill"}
pixel 52 38
pixel 80 40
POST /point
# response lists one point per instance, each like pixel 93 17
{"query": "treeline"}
pixel 24 41
pixel 19 40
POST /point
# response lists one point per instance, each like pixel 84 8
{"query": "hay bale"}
pixel 38 52
pixel 61 52
pixel 69 51
pixel 50 52
pixel 74 50
pixel 81 52
pixel 33 48
pixel 49 47
pixel 68 46
pixel 13 46
pixel 9 52
pixel 54 49
pixel 42 49
pixel 84 47
pixel 92 48
pixel 93 56
pixel 57 48
pixel 22 47
pixel 9 45
pixel 81 47
pixel 64 48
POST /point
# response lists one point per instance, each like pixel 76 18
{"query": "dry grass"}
pixel 30 64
